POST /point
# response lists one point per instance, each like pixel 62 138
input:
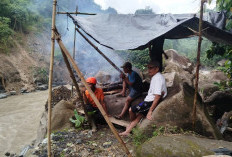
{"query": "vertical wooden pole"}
pixel 50 79
pixel 198 64
pixel 74 49
pixel 75 84
pixel 93 97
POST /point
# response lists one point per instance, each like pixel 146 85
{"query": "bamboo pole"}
pixel 93 96
pixel 50 79
pixel 198 63
pixel 149 48
pixel 96 48
pixel 74 49
pixel 75 13
pixel 75 83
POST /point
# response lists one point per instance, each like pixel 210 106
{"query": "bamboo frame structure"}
pixel 92 94
pixel 101 53
pixel 95 47
pixel 74 49
pixel 50 78
pixel 198 64
pixel 75 13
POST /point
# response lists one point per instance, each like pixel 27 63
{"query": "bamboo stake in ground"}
pixel 198 63
pixel 93 96
pixel 74 49
pixel 50 79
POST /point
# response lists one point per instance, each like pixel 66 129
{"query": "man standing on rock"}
pixel 134 81
pixel 156 92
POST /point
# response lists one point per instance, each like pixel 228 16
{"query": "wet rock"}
pixel 223 151
pixel 3 96
pixel 24 90
pixel 42 87
pixel 13 92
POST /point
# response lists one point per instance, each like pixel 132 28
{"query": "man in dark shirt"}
pixel 134 81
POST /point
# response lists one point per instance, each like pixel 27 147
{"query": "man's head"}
pixel 153 67
pixel 127 67
pixel 91 82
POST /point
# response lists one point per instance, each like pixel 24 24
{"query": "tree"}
pixel 220 49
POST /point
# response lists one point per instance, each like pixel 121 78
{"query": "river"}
pixel 19 120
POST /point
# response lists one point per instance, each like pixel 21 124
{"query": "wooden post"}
pixel 75 83
pixel 149 48
pixel 93 96
pixel 50 79
pixel 76 13
pixel 74 49
pixel 198 64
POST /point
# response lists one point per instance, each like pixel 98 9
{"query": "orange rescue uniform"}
pixel 98 93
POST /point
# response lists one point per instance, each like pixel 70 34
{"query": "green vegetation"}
pixel 41 74
pixel 138 137
pixel 17 16
pixel 224 50
pixel 5 33
pixel 78 121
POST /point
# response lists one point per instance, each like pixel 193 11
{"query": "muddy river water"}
pixel 19 120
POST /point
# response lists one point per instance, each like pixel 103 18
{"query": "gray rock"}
pixel 180 146
pixel 176 109
pixel 13 92
pixel 79 141
pixel 3 96
pixel 42 87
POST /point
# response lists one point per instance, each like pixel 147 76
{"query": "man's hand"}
pixel 123 76
pixel 149 115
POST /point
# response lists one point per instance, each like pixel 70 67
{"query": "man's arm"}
pixel 126 79
pixel 153 106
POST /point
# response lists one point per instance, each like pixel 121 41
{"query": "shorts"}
pixel 95 112
pixel 142 108
pixel 134 93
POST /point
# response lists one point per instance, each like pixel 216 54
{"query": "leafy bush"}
pixel 78 121
pixel 5 33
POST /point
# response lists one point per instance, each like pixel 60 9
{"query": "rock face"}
pixel 216 100
pixel 176 110
pixel 180 146
pixel 61 114
pixel 180 65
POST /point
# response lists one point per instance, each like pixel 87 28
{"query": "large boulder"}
pixel 180 65
pixel 180 146
pixel 176 110
pixel 221 100
pixel 61 114
pixel 207 78
pixel 115 104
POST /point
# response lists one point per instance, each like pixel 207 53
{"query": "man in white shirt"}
pixel 156 93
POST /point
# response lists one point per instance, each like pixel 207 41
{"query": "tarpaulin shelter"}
pixel 124 32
